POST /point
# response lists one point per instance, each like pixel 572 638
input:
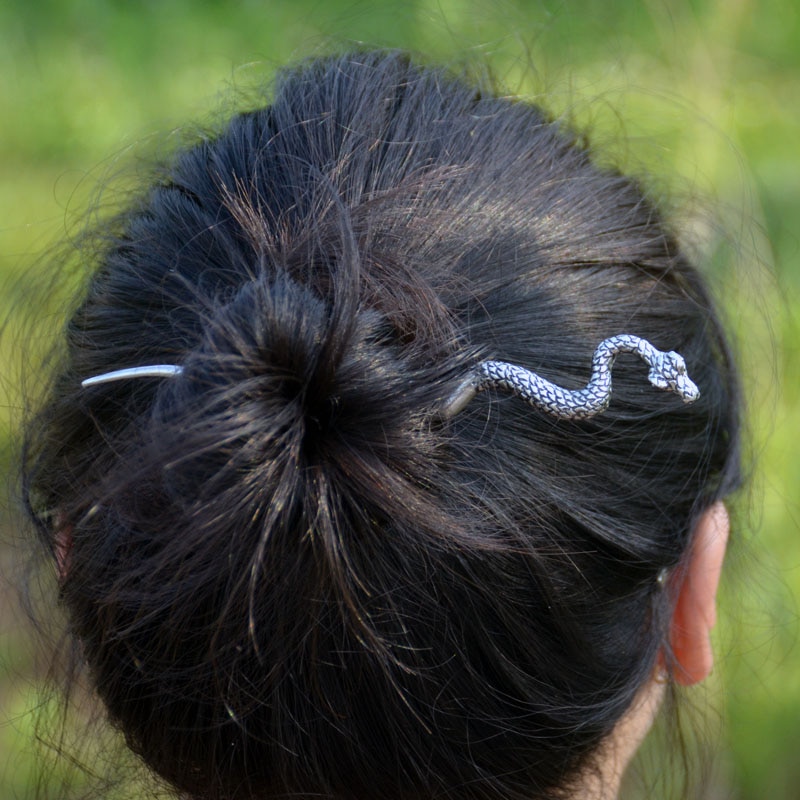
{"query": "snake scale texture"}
pixel 667 371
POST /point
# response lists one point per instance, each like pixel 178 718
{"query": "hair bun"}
pixel 295 397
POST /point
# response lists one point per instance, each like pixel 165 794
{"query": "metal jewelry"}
pixel 153 371
pixel 667 371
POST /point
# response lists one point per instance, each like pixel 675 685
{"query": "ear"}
pixel 696 608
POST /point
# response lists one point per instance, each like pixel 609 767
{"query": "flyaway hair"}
pixel 289 575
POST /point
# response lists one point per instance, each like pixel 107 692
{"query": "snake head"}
pixel 669 372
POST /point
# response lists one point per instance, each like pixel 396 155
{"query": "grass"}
pixel 702 96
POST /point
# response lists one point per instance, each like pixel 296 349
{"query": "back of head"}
pixel 288 573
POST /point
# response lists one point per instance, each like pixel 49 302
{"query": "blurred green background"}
pixel 702 96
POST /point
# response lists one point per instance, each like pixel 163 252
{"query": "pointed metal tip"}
pixel 153 371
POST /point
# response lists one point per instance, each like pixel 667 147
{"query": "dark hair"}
pixel 289 575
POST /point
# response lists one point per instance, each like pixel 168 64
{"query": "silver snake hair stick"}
pixel 667 371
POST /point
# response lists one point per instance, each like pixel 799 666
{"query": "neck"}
pixel 604 778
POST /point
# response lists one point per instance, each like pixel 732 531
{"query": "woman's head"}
pixel 288 572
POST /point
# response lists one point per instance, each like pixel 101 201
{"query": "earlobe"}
pixel 695 610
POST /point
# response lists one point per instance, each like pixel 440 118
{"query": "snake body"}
pixel 667 371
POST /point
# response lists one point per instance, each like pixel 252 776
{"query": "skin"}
pixel 696 608
pixel 694 617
